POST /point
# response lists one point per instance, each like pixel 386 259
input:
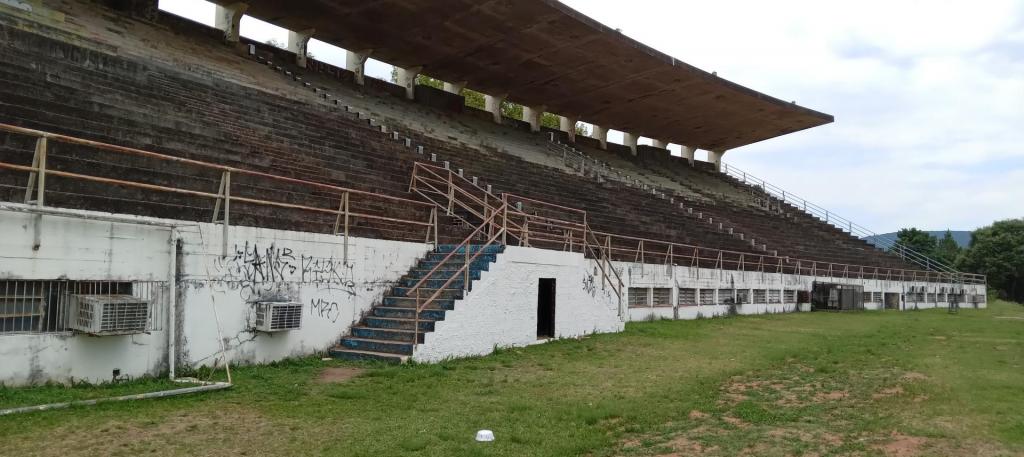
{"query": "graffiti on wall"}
pixel 265 272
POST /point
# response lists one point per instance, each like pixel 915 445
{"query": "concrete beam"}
pixel 532 115
pixel 492 103
pixel 355 61
pixel 600 134
pixel 229 18
pixel 454 88
pixel 661 144
pixel 630 140
pixel 568 125
pixel 715 157
pixel 298 42
pixel 407 79
pixel 688 152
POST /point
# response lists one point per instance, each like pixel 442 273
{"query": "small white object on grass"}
pixel 485 435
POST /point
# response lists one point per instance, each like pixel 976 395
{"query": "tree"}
pixel 947 250
pixel 915 240
pixel 997 251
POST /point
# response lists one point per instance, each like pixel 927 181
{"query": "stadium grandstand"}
pixel 176 195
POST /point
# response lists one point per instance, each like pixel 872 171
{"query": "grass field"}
pixel 870 383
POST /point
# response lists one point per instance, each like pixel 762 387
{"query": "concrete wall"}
pixel 215 293
pixel 261 264
pixel 501 311
pixel 641 276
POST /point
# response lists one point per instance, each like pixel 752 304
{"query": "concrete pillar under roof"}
pixel 600 134
pixel 492 104
pixel 661 144
pixel 630 140
pixel 532 115
pixel 407 79
pixel 298 42
pixel 355 61
pixel 688 152
pixel 568 125
pixel 454 88
pixel 715 157
pixel 229 18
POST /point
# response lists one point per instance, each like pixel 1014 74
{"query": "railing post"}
pixel 465 266
pixel 345 247
pixel 37 176
pixel 39 163
pixel 451 192
pixel 227 213
pixel 504 221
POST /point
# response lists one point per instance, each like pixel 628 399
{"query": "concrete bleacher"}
pixel 237 110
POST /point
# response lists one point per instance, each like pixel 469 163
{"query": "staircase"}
pixel 388 331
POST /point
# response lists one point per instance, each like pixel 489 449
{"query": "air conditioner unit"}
pixel 278 316
pixel 109 314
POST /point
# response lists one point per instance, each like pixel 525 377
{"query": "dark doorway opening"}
pixel 546 308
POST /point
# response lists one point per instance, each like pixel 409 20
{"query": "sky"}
pixel 928 96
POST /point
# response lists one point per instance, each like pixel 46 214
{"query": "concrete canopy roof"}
pixel 541 52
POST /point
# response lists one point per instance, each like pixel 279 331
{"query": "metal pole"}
pixel 227 213
pixel 345 247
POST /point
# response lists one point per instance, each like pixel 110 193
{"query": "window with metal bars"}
pixel 687 297
pixel 760 296
pixel 661 296
pixel 774 296
pixel 789 296
pixel 43 306
pixel 638 297
pixel 707 296
pixel 743 296
pixel 725 296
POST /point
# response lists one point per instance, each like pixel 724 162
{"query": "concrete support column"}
pixel 568 125
pixel 492 103
pixel 407 79
pixel 630 140
pixel 228 19
pixel 688 152
pixel 298 43
pixel 454 88
pixel 355 61
pixel 715 157
pixel 532 115
pixel 661 144
pixel 600 134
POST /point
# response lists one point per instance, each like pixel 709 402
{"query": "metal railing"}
pixel 223 198
pixel 495 232
pixel 535 223
pixel 885 242
pixel 525 221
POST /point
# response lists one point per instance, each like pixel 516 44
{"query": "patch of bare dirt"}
pixel 901 445
pixel 683 446
pixel 698 415
pixel 888 392
pixel 831 396
pixel 735 421
pixel 338 374
pixel 913 376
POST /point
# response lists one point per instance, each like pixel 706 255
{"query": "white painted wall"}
pixel 304 267
pixel 308 268
pixel 643 276
pixel 501 311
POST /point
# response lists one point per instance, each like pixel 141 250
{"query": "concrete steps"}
pixel 387 332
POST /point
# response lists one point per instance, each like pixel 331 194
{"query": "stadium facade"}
pixel 177 196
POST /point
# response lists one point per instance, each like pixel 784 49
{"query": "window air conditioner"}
pixel 278 316
pixel 109 314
